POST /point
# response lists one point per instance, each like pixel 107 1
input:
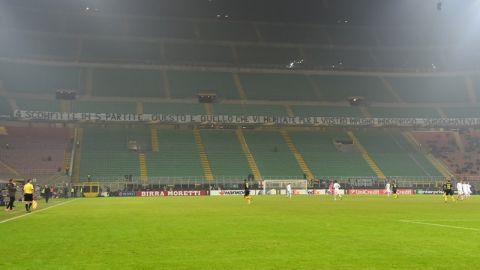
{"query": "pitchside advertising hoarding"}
pixel 400 191
pixel 171 193
pixel 245 119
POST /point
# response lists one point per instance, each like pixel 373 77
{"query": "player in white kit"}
pixel 289 190
pixel 466 190
pixel 460 190
pixel 336 191
pixel 388 189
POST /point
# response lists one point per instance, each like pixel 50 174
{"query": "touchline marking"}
pixel 439 225
pixel 29 214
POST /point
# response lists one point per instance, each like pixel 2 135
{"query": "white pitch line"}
pixel 31 213
pixel 439 225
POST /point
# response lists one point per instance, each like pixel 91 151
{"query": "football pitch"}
pixel 305 232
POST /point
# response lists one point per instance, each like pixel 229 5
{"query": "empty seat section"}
pixel 408 59
pixel 271 153
pixel 249 109
pixel 114 50
pixel 276 86
pixel 404 112
pixel 32 20
pixel 293 33
pixel 399 36
pixel 197 53
pixel 173 108
pixel 5 108
pixel 40 78
pixel 104 107
pixel 127 82
pixel 160 28
pixel 430 89
pixel 324 159
pixel 178 155
pixel 47 46
pixel 225 153
pixel 187 84
pixel 351 36
pixel 393 154
pixel 339 88
pixel 105 154
pixel 227 30
pixel 267 56
pixel 94 25
pixel 325 111
pixel 460 112
pixel 45 105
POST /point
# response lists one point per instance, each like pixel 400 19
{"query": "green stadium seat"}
pixel 400 37
pixel 277 86
pixel 393 154
pixel 127 82
pixel 405 59
pixel 191 54
pixel 325 111
pixel 271 153
pixel 351 36
pixel 338 88
pixel 93 25
pixel 234 31
pixel 324 159
pixel 249 109
pixel 293 33
pixel 267 56
pixel 178 155
pixel 430 89
pixel 32 20
pixel 462 112
pixel 404 112
pixel 150 27
pixel 173 108
pixel 104 107
pixel 46 105
pixel 40 79
pixel 99 50
pixel 225 154
pixel 187 84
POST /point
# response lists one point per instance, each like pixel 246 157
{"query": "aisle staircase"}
pixel 378 172
pixel 301 162
pixel 207 169
pixel 78 153
pixel 143 168
pixel 248 155
pixel 154 139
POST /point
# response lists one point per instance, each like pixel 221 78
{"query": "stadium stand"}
pixel 264 56
pixel 249 109
pixel 232 31
pixel 406 112
pixel 288 33
pixel 272 155
pixel 105 153
pixel 191 54
pixel 104 107
pixel 5 108
pixel 46 105
pixel 324 158
pixel 178 155
pixel 34 152
pixel 276 86
pixel 187 84
pixel 225 153
pixel 41 78
pixel 173 108
pixel 393 154
pixel 325 111
pixel 127 82
pixel 462 111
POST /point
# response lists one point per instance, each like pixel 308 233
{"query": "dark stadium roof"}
pixel 376 12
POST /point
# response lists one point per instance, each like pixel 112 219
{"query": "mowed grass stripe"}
pixel 274 232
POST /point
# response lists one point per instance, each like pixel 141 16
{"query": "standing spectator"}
pixel 72 192
pixel 12 189
pixel 47 193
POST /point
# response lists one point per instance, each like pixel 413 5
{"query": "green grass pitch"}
pixel 305 232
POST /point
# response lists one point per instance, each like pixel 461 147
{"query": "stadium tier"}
pixel 227 30
pixel 277 86
pixel 177 155
pixel 5 108
pixel 462 111
pixel 103 107
pixel 265 56
pixel 173 108
pixel 249 109
pixel 188 53
pixel 33 152
pixel 187 84
pixel 127 82
pixel 324 158
pixel 325 111
pixel 431 89
pixel 46 105
pixel 105 152
pixel 393 154
pixel 404 112
pixel 225 153
pixel 271 153
pixel 39 78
